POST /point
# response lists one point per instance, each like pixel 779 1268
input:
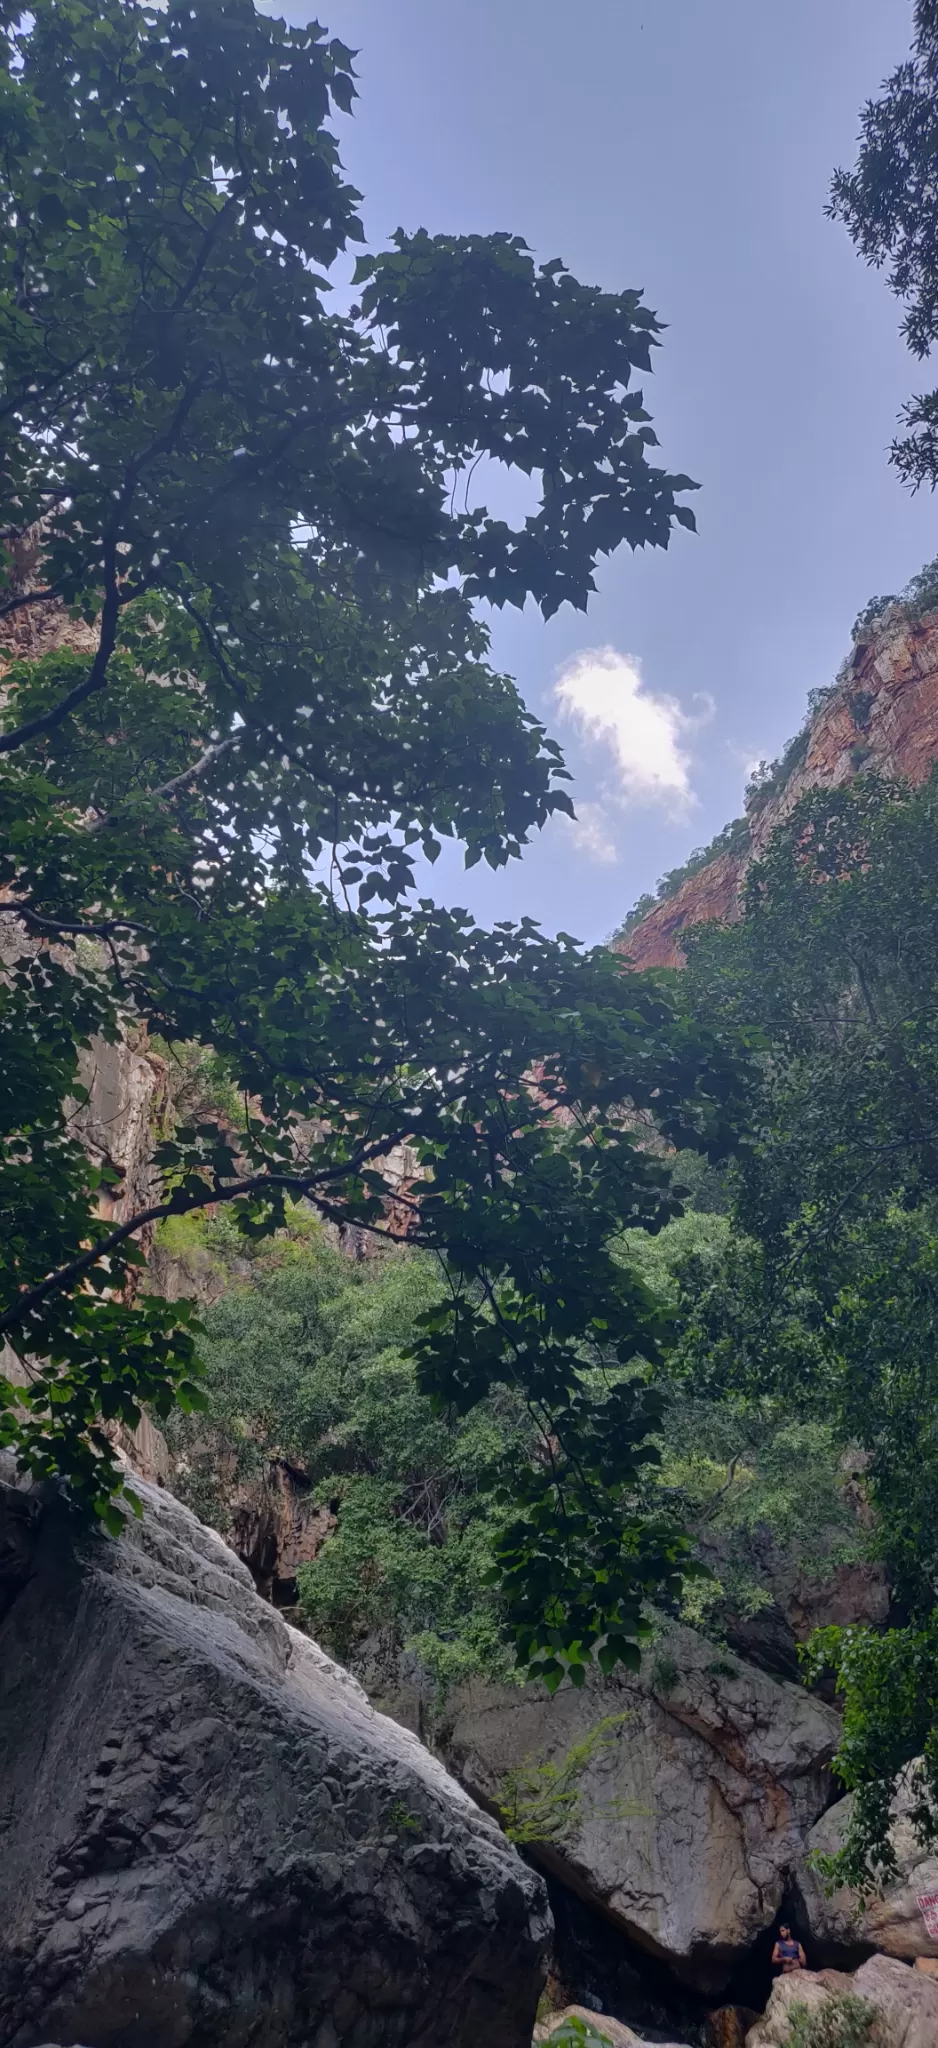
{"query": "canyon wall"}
pixel 882 713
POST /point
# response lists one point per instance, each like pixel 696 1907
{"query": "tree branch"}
pixel 104 930
pixel 96 678
pixel 211 235
pixel 15 604
pixel 199 767
pixel 181 1204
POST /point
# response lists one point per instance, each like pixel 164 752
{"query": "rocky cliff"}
pixel 691 1813
pixel 881 713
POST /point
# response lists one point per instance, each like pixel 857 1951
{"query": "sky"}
pixel 686 147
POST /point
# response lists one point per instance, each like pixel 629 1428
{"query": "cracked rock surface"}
pixel 890 1920
pixel 693 1812
pixel 210 1837
pixel 905 2003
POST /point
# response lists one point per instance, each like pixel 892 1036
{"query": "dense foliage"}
pixel 253 515
pixel 307 1359
pixel 824 1297
pixel 889 204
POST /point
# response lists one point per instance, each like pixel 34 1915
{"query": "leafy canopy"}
pixel 825 1297
pixel 306 1361
pixel 241 564
pixel 889 204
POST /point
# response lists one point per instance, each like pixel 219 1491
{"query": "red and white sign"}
pixel 927 1904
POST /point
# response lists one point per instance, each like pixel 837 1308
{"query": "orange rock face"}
pixel 713 893
pixel 883 713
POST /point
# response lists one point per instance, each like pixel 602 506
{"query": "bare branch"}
pixel 104 930
pixel 175 782
pixel 97 673
pixel 182 1203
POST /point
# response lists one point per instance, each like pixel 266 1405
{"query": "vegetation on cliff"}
pixel 310 1359
pixel 824 1296
pixel 306 1358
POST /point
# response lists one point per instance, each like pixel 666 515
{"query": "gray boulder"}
pixel 904 2001
pixel 890 1920
pixel 210 1836
pixel 690 1815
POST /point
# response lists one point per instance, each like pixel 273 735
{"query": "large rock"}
pixel 691 1813
pixel 209 1835
pixel 891 1921
pixel 905 2001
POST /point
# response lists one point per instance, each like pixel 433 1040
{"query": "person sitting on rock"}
pixel 788 1953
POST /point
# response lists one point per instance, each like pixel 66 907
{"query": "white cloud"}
pixel 591 834
pixel 602 693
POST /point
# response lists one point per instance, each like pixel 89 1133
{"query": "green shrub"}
pixel 577 2033
pixel 845 2021
pixel 543 1802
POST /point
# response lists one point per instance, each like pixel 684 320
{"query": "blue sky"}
pixel 684 146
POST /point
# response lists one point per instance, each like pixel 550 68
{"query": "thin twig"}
pixel 104 930
pixel 198 768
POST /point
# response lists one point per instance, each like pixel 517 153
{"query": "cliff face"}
pixel 883 714
pixel 701 1749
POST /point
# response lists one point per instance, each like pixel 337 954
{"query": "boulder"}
pixel 728 2026
pixel 210 1836
pixel 890 1921
pixel 689 1814
pixel 905 2001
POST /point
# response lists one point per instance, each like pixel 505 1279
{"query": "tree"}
pixel 827 1296
pixel 256 514
pixel 889 204
pixel 306 1358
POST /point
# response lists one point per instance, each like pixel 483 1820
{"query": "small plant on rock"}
pixel 845 2021
pixel 543 1802
pixel 577 2033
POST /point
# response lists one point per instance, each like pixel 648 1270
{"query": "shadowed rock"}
pixel 209 1835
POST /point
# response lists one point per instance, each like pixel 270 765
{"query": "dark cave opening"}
pixel 597 1965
